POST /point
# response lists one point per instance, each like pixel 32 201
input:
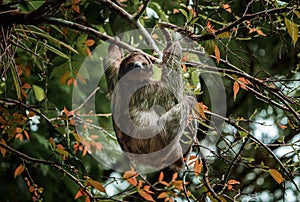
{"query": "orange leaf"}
pixel 72 81
pixel 64 78
pixel 175 175
pixel 31 114
pixel 243 82
pixel 147 189
pixel 227 8
pixel 26 85
pixel 198 167
pixel 89 42
pixel 146 195
pixel 76 8
pixel 18 130
pixel 96 185
pixel 19 136
pixel 160 179
pixel 178 184
pixel 161 176
pixel 175 11
pixel 87 199
pixel 217 54
pixel 183 67
pixel 75 1
pixel 130 177
pixel 276 175
pixel 31 189
pixel 19 170
pixel 88 51
pixel 236 88
pixel 81 79
pixel 26 134
pixel 163 195
pixel 233 182
pixel 79 194
pixel 192 160
pixel 259 32
pixel 130 173
pixel 2 150
pixel 282 126
pixel 201 108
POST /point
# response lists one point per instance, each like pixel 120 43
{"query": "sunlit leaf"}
pixel 217 54
pixel 161 176
pixel 236 88
pixel 16 82
pixel 49 47
pixel 259 32
pixel 146 195
pixel 89 42
pixel 26 134
pixel 130 177
pixel 227 8
pixel 276 175
pixel 282 126
pixel 201 108
pixel 174 176
pixel 38 93
pixel 64 78
pixel 292 29
pixel 198 167
pixel 19 170
pixel 79 194
pixel 297 14
pixel 147 189
pixel 162 195
pixel 96 185
pixel 37 31
pixel 60 149
pixel 243 134
pixel 224 35
pixel 243 82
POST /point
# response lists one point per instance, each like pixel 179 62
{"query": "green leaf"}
pixel 42 33
pixel 47 47
pixel 210 46
pixel 184 13
pixel 38 93
pixel 292 29
pixel 243 134
pixel 297 13
pixel 16 81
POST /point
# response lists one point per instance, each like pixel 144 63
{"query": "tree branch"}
pixel 213 35
pixel 48 8
pixel 49 163
pixel 289 174
pixel 96 34
pixel 132 19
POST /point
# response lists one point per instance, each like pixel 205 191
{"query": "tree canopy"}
pixel 243 67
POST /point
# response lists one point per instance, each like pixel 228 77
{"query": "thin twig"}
pixel 130 18
pixel 289 174
pixel 96 34
pixel 206 174
pixel 139 13
pixel 49 163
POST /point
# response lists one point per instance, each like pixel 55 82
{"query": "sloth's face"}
pixel 137 67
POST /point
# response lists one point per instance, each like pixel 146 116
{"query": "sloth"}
pixel 150 118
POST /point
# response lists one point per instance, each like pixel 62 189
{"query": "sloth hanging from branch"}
pixel 150 118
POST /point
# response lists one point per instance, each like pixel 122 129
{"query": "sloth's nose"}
pixel 138 65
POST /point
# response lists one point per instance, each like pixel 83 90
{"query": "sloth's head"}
pixel 137 66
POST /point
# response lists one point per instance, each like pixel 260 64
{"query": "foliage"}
pixel 255 47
